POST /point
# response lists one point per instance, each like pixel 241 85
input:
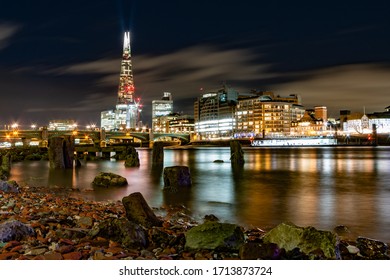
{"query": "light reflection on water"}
pixel 323 187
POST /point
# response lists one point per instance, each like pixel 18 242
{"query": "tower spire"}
pixel 127 109
pixel 126 82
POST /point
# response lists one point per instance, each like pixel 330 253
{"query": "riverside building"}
pixel 265 115
pixel 161 109
pixel 62 125
pixel 311 124
pixel 225 113
pixel 357 123
pixel 214 114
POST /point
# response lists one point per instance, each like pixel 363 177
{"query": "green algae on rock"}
pixel 215 236
pixel 307 239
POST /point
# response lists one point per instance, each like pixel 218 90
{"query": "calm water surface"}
pixel 323 187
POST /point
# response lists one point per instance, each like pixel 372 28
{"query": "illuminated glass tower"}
pixel 127 109
pixel 126 82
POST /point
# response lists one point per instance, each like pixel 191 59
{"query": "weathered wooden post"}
pixel 374 135
pixel 132 158
pixel 158 153
pixel 103 136
pixel 61 151
pixel 5 168
pixel 44 137
pixel 176 177
pixel 236 153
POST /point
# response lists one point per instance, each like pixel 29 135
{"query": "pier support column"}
pixel 374 135
pixel 26 142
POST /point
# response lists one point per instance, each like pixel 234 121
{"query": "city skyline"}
pixel 64 61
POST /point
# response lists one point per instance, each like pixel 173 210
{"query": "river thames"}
pixel 320 186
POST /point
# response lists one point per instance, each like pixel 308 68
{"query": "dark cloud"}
pixel 354 87
pixel 7 30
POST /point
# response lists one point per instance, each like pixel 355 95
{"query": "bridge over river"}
pixel 97 138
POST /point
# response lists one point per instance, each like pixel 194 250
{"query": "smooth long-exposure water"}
pixel 322 186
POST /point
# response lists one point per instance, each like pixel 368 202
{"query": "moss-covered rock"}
pixel 313 242
pixel 215 236
pixel 108 179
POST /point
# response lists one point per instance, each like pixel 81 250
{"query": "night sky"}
pixel 61 59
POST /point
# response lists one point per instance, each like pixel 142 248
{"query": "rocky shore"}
pixel 46 224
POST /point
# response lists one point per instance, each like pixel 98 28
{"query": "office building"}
pixel 214 114
pixel 160 109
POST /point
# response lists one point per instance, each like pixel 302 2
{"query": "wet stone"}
pixel 372 249
pixel 65 249
pixel 35 252
pixel 53 256
pixel 72 256
pixel 9 186
pixel 9 255
pixel 353 249
pixel 263 251
pixel 15 230
pixel 85 222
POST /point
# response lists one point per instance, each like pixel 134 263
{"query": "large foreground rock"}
pixel 176 177
pixel 139 212
pixel 121 230
pixel 108 179
pixel 307 239
pixel 215 236
pixel 15 230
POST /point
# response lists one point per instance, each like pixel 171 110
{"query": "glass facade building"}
pixel 160 109
pixel 214 114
